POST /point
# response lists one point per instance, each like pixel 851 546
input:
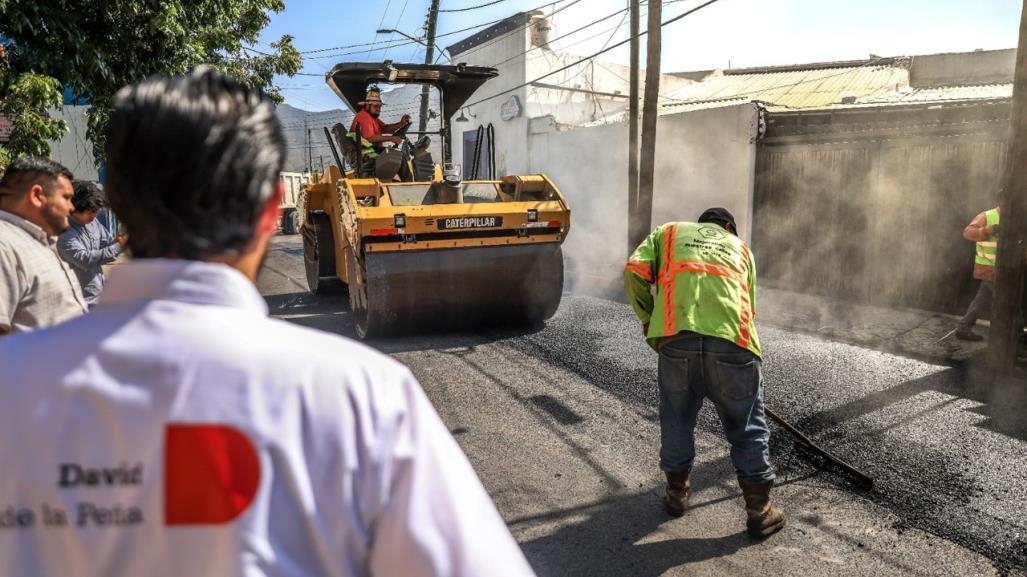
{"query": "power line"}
pixel 603 51
pixel 575 31
pixel 487 4
pixel 393 34
pixel 382 21
pixel 525 26
pixel 408 42
pixel 348 46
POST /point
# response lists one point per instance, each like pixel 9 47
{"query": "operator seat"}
pixel 351 152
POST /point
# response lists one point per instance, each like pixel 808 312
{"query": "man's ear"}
pixel 272 211
pixel 37 196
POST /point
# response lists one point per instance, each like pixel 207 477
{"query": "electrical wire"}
pixel 382 21
pixel 526 25
pixel 407 42
pixel 393 34
pixel 603 51
pixel 575 31
pixel 469 8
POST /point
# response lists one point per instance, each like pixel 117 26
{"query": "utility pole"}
pixel 633 224
pixel 429 57
pixel 310 160
pixel 650 108
pixel 1009 263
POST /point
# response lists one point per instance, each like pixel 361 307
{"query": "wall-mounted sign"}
pixel 511 108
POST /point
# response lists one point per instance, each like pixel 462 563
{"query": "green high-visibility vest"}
pixel 705 281
pixel 368 150
pixel 986 250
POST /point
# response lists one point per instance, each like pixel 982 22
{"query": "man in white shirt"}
pixel 177 430
pixel 37 288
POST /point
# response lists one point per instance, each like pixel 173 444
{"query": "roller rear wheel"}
pixel 319 252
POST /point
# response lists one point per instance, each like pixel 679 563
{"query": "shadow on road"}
pixel 952 499
pixel 1002 400
pixel 331 313
pixel 622 537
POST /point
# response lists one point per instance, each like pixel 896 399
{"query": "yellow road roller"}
pixel 431 252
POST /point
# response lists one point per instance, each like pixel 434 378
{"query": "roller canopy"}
pixel 350 80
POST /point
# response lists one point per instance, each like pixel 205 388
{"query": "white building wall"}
pixel 511 135
pixel 592 91
pixel 704 158
pixel 74 150
pixel 519 62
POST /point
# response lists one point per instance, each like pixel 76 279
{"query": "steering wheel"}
pixel 402 130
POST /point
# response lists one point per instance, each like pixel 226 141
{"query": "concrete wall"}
pixel 511 135
pixel 592 91
pixel 704 158
pixel 74 150
pixel 575 104
pixel 963 68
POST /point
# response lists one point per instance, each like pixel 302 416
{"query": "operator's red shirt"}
pixel 369 125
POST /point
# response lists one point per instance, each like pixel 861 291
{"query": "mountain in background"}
pixel 296 122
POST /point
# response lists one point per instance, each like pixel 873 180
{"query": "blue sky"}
pixel 742 32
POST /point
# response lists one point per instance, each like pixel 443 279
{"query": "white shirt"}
pixel 37 288
pixel 177 430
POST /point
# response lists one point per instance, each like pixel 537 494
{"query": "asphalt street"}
pixel 560 424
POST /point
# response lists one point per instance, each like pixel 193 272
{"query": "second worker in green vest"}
pixel 983 231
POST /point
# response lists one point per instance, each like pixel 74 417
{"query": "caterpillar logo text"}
pixel 471 222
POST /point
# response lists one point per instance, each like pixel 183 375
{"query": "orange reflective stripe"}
pixel 668 281
pixel 706 267
pixel 641 269
pixel 744 326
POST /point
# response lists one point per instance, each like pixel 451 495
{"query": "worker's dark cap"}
pixel 718 214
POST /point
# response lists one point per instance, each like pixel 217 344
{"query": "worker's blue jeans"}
pixel 697 367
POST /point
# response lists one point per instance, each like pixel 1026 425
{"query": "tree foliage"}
pixel 25 98
pixel 95 47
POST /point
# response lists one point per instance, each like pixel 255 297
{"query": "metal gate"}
pixel 870 204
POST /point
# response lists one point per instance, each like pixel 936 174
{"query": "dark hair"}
pixel 191 161
pixel 29 170
pixel 721 216
pixel 88 196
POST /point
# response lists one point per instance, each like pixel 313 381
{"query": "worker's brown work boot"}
pixel 675 500
pixel 764 520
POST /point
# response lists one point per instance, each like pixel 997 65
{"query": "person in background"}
pixel 702 324
pixel 181 431
pixel 87 245
pixel 982 230
pixel 37 288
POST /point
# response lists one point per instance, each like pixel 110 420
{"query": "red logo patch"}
pixel 211 474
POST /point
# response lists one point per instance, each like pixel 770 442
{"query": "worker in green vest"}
pixel 701 322
pixel 983 230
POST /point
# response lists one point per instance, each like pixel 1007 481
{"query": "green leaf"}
pixel 97 47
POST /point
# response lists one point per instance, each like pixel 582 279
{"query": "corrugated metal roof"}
pixel 793 88
pixel 942 94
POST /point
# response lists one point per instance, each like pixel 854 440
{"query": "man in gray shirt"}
pixel 37 288
pixel 87 245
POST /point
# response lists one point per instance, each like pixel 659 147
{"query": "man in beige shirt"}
pixel 37 288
